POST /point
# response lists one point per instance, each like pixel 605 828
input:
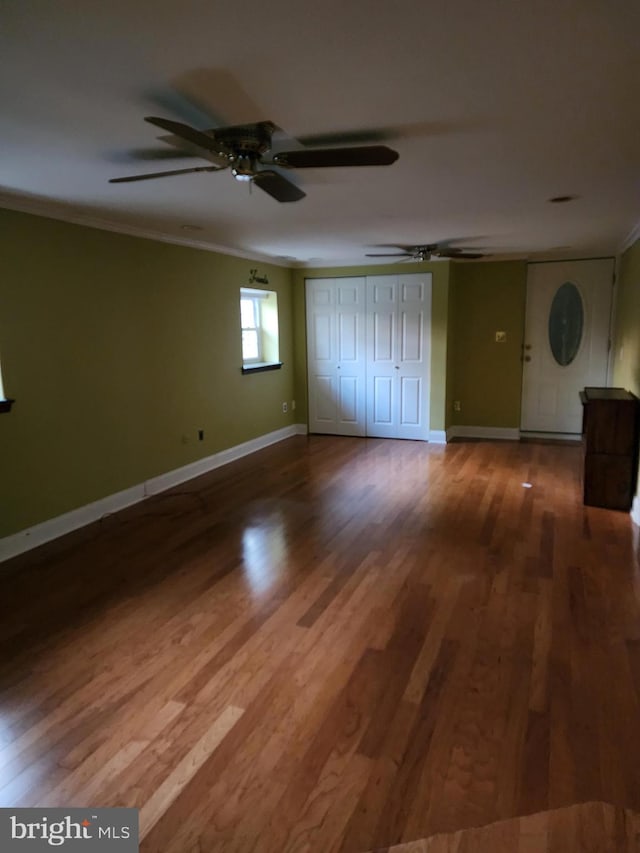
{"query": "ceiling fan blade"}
pixel 218 92
pixel 195 137
pixel 137 154
pixel 151 175
pixel 185 106
pixel 346 137
pixel 390 255
pixel 277 186
pixel 456 254
pixel 362 155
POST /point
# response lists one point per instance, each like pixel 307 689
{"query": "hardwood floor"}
pixel 335 644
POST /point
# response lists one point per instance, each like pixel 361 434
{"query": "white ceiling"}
pixel 493 106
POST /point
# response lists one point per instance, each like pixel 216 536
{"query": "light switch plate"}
pixel 501 337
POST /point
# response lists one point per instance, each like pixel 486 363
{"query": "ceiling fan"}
pixel 242 148
pixel 429 251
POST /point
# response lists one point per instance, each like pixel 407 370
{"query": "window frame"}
pixel 266 329
pixel 255 328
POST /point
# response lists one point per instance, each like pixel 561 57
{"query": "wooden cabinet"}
pixel 610 437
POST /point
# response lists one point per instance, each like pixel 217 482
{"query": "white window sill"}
pixel 261 366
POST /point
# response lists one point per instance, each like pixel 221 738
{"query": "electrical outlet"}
pixel 285 408
pixel 501 337
pixel 457 406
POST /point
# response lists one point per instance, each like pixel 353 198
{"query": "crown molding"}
pixel 55 210
pixel 631 238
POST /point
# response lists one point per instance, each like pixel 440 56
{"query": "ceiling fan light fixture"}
pixel 244 167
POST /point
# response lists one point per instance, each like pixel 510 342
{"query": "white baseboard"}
pixel 201 466
pixel 635 510
pixel 37 535
pixel 556 436
pixel 32 537
pixel 497 433
pixel 437 436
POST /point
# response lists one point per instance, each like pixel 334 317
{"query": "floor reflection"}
pixel 264 553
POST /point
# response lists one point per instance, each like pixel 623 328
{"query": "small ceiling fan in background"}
pixel 243 148
pixel 429 251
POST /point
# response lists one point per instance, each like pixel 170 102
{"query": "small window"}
pixel 5 402
pixel 259 324
pixel 250 315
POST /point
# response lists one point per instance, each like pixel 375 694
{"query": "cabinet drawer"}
pixel 608 480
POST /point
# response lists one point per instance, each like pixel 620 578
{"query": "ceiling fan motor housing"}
pixel 245 144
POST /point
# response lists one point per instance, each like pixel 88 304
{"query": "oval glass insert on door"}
pixel 566 322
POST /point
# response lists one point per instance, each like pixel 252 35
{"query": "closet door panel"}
pixel 398 317
pixel 336 355
pixel 382 402
pixel 410 401
pixel 323 398
pixel 348 400
pixel 382 323
pixel 322 341
pixel 413 358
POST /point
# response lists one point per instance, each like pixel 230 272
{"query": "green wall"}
pixel 118 350
pixel 626 337
pixel 485 376
pixel 439 323
pixel 626 364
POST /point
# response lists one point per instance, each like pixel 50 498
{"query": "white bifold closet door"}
pixel 398 324
pixel 368 342
pixel 336 355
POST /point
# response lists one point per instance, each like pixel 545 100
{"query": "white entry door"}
pixel 398 355
pixel 336 355
pixel 566 341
